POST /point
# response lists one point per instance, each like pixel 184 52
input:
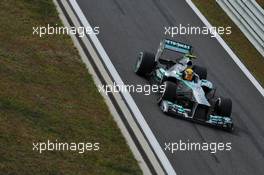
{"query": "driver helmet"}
pixel 188 74
pixel 189 63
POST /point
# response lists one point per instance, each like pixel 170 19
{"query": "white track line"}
pixel 142 122
pixel 145 169
pixel 228 49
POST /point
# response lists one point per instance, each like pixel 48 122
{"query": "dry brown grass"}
pixel 46 93
pixel 261 3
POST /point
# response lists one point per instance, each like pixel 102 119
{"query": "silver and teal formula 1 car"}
pixel 194 99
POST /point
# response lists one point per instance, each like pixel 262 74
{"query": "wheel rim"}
pixel 164 107
pixel 139 61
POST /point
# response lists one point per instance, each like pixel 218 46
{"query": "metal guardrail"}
pixel 249 17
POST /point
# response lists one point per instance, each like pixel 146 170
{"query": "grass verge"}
pixel 236 41
pixel 261 3
pixel 46 93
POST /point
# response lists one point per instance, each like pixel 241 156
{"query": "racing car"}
pixel 186 92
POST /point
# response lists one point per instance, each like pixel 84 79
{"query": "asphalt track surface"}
pixel 127 27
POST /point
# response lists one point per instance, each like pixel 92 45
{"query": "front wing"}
pixel 176 110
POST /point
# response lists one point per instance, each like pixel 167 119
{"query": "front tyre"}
pixel 145 63
pixel 230 127
pixel 224 107
pixel 169 92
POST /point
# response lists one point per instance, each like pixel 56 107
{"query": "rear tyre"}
pixel 169 93
pixel 224 107
pixel 201 71
pixel 145 63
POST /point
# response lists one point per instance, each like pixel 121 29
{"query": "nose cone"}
pixel 199 96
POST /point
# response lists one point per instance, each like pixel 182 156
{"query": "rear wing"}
pixel 177 46
pixel 174 46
